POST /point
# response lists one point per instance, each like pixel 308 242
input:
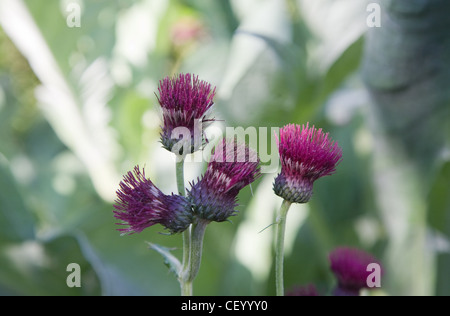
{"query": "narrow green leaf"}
pixel 170 260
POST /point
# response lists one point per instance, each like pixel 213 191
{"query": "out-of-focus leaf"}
pixel 439 218
pixel 16 220
pixel 124 264
pixel 439 201
pixel 336 25
pixel 254 66
pixel 345 65
pixel 443 279
pixel 219 16
pixel 76 108
pixel 38 268
pixel 409 115
pixel 132 111
pixel 94 37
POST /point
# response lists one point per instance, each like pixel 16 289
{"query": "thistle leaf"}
pixel 170 260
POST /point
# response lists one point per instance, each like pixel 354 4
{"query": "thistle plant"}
pixel 185 101
pixel 306 154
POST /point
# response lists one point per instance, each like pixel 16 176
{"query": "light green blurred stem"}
pixel 279 247
pixel 186 287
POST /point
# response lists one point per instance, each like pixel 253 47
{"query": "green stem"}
pixel 192 242
pixel 186 287
pixel 180 177
pixel 198 233
pixel 279 247
pixel 182 192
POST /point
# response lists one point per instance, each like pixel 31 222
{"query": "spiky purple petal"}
pixel 185 101
pixel 140 204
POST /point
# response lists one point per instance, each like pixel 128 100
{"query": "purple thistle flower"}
pixel 141 204
pixel 349 265
pixel 308 290
pixel 233 166
pixel 185 101
pixel 306 155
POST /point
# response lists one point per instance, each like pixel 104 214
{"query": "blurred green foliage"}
pixel 78 110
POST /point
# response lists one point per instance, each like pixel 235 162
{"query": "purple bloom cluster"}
pixel 185 101
pixel 306 154
pixel 232 167
pixel 349 265
pixel 141 204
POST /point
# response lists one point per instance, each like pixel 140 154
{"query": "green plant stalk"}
pixel 279 247
pixel 192 242
pixel 182 192
pixel 180 177
pixel 195 258
pixel 186 287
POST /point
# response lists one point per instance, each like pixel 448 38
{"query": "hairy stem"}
pixel 279 247
pixel 198 232
pixel 180 177
pixel 186 287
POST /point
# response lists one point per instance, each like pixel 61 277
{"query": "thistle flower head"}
pixel 141 204
pixel 306 154
pixel 233 166
pixel 349 265
pixel 185 101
